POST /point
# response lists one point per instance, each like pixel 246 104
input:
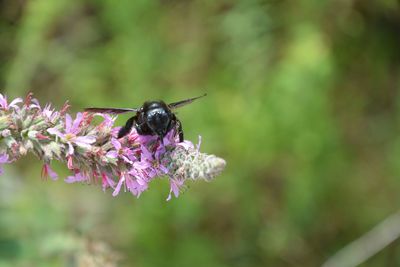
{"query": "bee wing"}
pixel 111 110
pixel 184 102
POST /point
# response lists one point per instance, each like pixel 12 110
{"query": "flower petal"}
pixel 85 140
pixel 126 159
pixel 108 120
pixel 144 139
pixel 140 181
pixel 47 171
pixel 186 144
pixel 141 165
pixel 15 102
pixel 146 153
pixel 163 169
pixel 78 177
pixel 35 104
pixel 53 175
pixel 77 122
pixel 68 123
pixel 175 185
pixel 116 144
pixel 70 149
pixel 198 144
pixel 112 154
pixel 56 132
pixel 107 181
pixel 3 101
pixel 118 187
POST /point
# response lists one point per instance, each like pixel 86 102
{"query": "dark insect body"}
pixel 153 118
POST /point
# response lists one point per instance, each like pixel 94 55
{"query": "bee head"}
pixel 158 117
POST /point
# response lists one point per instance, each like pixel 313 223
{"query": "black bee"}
pixel 153 118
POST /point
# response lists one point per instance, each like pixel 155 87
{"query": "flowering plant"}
pixel 92 151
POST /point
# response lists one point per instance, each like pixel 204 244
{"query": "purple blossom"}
pixel 6 106
pixel 70 136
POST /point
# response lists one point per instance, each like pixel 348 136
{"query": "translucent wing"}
pixel 111 110
pixel 184 102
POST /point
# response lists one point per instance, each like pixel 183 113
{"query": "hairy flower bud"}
pixel 192 164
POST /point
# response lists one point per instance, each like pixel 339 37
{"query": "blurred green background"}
pixel 303 103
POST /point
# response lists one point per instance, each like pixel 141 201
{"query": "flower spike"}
pixel 93 154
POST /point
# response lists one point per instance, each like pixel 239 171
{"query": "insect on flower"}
pixel 152 118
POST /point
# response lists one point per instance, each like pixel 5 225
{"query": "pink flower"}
pixel 47 171
pixel 70 136
pixel 141 170
pixel 120 182
pixel 175 186
pixel 4 103
pixel 120 151
pixel 107 181
pixel 136 185
pixel 77 177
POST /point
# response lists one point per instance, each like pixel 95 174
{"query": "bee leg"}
pixel 127 128
pixel 180 130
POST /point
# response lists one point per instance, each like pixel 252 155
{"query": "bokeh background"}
pixel 303 103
